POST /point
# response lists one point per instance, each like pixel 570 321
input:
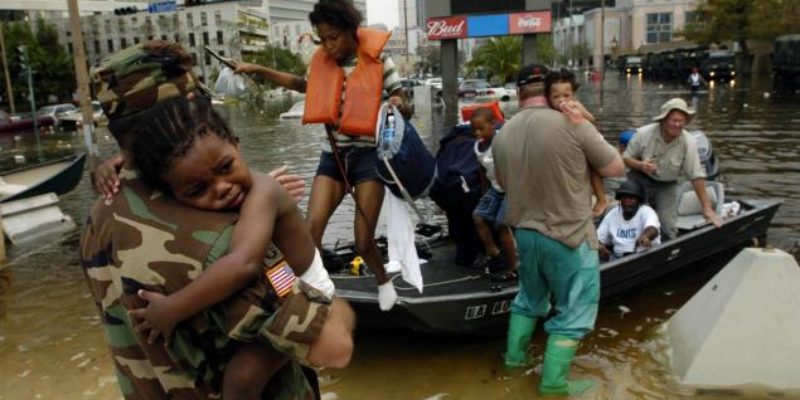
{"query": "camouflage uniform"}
pixel 146 241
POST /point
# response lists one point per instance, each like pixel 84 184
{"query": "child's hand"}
pixel 105 178
pixel 156 317
pixel 572 110
pixel 294 184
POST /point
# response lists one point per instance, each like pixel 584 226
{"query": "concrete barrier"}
pixel 2 242
pixel 742 326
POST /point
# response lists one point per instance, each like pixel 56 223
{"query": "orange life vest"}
pixel 364 87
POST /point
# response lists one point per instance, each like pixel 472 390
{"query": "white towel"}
pixel 400 235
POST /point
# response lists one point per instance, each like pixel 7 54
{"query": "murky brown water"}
pixel 51 346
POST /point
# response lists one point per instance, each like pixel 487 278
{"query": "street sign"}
pixel 159 6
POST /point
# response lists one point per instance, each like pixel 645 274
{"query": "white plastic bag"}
pixel 230 84
pixel 402 250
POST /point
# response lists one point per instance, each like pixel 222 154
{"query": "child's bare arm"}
pixel 242 263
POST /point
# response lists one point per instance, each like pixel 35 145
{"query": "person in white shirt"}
pixel 629 227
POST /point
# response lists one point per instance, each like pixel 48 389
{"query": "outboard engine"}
pixel 707 157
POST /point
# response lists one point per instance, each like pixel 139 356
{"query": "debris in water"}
pixel 77 356
pixel 623 310
pixel 608 332
pixel 437 396
pixel 24 373
pixel 668 293
pixel 670 311
pixel 329 396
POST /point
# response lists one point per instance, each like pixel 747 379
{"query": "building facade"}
pixel 297 10
pixel 49 9
pixel 230 29
pixel 626 27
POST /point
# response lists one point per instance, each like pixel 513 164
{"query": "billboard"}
pixel 447 28
pixel 460 26
pixel 485 6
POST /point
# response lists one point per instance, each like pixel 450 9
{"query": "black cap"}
pixel 630 188
pixel 531 73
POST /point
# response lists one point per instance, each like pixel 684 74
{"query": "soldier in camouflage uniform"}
pixel 147 241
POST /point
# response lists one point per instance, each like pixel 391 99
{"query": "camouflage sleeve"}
pixel 289 322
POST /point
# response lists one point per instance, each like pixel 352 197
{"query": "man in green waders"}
pixel 543 159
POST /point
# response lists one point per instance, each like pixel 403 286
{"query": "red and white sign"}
pixel 447 28
pixel 529 22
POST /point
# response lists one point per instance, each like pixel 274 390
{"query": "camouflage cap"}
pixel 140 76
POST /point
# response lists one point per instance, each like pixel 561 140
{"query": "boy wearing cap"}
pixel 658 155
pixel 543 160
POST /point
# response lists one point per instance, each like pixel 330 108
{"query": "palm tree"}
pixel 501 57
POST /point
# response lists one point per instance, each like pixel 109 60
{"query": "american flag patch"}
pixel 282 278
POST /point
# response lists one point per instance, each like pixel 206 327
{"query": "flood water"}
pixel 52 347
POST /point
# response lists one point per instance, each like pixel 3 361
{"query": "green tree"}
pixel 500 58
pixel 719 21
pixel 279 59
pixel 545 51
pixel 53 68
pixel 57 69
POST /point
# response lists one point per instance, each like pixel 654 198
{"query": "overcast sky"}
pixel 382 11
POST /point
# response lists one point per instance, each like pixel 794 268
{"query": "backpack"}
pixel 456 163
pixel 404 163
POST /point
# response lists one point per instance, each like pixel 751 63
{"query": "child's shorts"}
pixel 492 206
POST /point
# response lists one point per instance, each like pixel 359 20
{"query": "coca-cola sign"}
pixel 529 22
pixel 447 28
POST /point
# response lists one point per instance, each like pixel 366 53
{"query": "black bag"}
pixel 457 190
pixel 403 157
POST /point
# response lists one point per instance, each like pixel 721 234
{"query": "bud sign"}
pixel 447 28
pixel 464 26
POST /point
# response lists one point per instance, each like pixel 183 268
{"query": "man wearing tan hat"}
pixel 658 155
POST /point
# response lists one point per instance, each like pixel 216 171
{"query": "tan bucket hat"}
pixel 674 104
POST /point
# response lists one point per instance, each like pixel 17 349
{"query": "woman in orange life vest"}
pixel 344 86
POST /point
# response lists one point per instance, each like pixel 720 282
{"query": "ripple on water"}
pixel 48 323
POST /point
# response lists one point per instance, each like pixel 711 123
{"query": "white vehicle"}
pixel 74 118
pixel 295 112
pixel 56 111
pixel 434 82
pixel 480 90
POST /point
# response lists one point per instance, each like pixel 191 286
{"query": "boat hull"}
pixel 460 300
pixel 58 176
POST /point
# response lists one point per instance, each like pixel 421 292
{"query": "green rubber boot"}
pixel 520 331
pixel 557 358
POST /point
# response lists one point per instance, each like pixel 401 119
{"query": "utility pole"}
pixel 570 44
pixel 602 40
pixel 89 139
pixel 26 64
pixel 9 89
pixel 405 14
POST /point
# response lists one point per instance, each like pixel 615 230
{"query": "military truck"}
pixel 718 65
pixel 786 60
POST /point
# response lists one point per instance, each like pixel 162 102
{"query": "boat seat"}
pixel 690 211
pixel 9 189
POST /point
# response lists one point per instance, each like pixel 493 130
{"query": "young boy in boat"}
pixel 492 206
pixel 560 87
pixel 191 154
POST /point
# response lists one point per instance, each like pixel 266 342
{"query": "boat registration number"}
pixel 479 310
